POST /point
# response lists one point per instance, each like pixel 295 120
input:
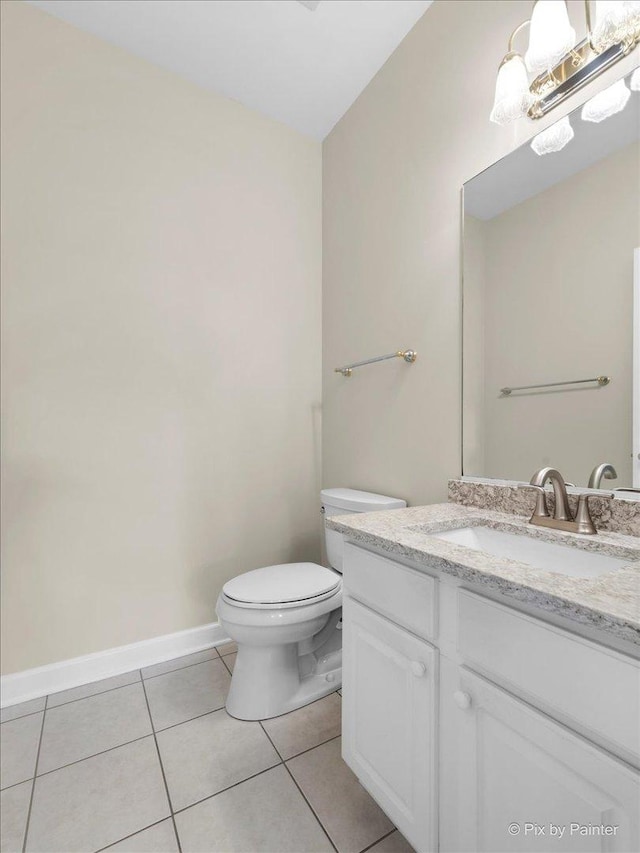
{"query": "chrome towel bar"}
pixel 408 355
pixel 601 380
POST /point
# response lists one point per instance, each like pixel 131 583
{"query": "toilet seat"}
pixel 284 585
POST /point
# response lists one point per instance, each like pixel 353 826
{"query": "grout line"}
pixel 87 757
pixel 311 748
pixel 35 774
pixel 22 716
pixel 91 695
pixel 164 778
pixel 227 665
pixel 143 829
pixel 228 788
pixel 117 746
pixel 298 786
pixel 226 654
pixel 15 784
pixel 382 838
pixel 182 722
pixel 178 668
pixel 313 811
pixel 284 764
pixel 270 741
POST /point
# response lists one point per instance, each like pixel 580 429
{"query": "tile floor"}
pixel 151 761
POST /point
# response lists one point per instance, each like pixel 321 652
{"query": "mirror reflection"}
pixel 551 239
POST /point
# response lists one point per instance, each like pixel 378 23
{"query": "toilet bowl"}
pixel 286 620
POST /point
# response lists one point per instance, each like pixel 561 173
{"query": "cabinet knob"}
pixel 418 668
pixel 462 700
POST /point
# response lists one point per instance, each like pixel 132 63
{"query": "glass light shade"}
pixel 606 103
pixel 554 138
pixel 613 22
pixel 635 80
pixel 551 35
pixel 632 9
pixel 513 97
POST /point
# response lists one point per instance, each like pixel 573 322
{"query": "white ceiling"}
pixel 301 66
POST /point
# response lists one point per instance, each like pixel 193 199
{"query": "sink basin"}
pixel 537 553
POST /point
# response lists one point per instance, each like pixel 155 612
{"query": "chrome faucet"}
pixel 562 516
pixel 606 470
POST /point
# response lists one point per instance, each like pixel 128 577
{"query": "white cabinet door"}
pixel 515 780
pixel 388 719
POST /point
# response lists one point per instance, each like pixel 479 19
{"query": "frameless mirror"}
pixel 551 261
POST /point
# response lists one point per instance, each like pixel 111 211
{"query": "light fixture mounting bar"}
pixel 577 69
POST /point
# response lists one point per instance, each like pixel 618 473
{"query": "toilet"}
pixel 287 622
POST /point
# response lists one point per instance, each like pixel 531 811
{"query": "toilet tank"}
pixel 344 502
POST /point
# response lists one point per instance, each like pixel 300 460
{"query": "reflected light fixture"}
pixel 610 101
pixel 562 66
pixel 554 138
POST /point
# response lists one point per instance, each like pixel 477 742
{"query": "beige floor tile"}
pixel 14 807
pixel 160 838
pixel 93 803
pixel 230 660
pixel 178 663
pixel 187 693
pixel 211 753
pixel 394 843
pixel 347 812
pixel 21 710
pixel 306 727
pixel 263 815
pixel 18 749
pixel 227 649
pixel 93 689
pixel 88 726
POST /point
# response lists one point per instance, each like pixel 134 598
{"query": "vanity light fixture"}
pixel 563 66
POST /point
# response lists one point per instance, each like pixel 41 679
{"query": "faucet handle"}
pixel 541 499
pixel 583 516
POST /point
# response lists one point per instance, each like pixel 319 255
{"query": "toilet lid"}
pixel 282 584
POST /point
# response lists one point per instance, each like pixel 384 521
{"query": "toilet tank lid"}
pixel 358 501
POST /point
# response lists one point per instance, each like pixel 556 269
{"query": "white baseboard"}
pixel 42 680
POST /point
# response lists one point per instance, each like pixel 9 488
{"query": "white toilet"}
pixel 287 623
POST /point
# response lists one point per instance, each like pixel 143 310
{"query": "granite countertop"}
pixel 610 602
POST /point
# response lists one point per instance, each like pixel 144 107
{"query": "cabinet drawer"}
pixel 569 677
pixel 403 595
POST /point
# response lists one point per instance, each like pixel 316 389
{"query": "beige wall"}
pixel 161 347
pixel 393 169
pixel 559 305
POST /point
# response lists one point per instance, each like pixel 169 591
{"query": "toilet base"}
pixel 257 693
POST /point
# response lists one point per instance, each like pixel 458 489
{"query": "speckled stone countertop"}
pixel 610 602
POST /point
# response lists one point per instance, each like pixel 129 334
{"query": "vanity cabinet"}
pixel 389 719
pixel 471 717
